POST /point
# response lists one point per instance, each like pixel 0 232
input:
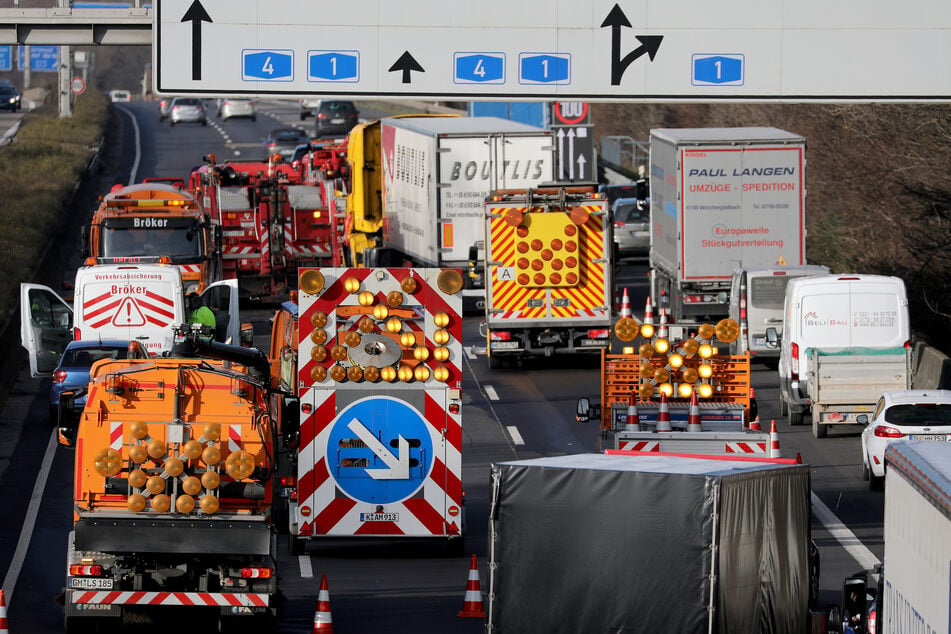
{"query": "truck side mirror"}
pixel 772 337
pixel 247 335
pixel 583 411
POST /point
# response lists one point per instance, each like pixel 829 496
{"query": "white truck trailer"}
pixel 722 199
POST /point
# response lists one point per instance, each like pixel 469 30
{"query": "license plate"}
pixel 594 342
pixel 931 437
pixel 379 517
pixel 504 345
pixel 336 121
pixel 232 234
pixel 639 234
pixel 90 583
pixel 759 341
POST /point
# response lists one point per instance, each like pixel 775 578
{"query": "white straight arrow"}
pixel 571 152
pixel 398 466
pixel 561 153
pixel 581 163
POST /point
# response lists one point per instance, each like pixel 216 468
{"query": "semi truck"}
pixel 548 263
pixel 172 488
pixel 377 448
pixel 722 199
pixel 641 542
pixel 419 183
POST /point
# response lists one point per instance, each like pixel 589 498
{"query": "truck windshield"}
pixel 182 242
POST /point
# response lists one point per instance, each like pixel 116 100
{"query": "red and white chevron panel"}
pixel 745 447
pixel 115 436
pixel 200 599
pixel 640 445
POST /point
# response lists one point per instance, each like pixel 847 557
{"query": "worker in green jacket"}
pixel 200 314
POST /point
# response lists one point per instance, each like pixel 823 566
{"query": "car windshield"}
pixel 287 136
pixel 187 102
pixel 7 90
pixel 919 414
pixel 85 357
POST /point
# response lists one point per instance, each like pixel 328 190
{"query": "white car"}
pixel 308 107
pixel 233 108
pixel 905 414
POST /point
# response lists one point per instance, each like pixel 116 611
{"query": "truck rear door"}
pixel 46 327
pixel 307 227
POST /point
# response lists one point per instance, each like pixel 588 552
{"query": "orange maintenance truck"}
pixel 172 491
pixel 144 222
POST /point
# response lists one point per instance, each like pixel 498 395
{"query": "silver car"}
pixel 234 108
pixel 187 110
pixel 631 227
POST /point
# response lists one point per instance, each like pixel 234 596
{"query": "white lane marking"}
pixel 306 570
pixel 138 145
pixel 469 353
pixel 491 393
pixel 26 533
pixel 495 414
pixel 516 437
pixel 852 545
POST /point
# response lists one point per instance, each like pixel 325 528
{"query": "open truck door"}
pixel 222 298
pixel 46 327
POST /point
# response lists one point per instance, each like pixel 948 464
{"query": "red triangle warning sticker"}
pixel 128 314
pixel 781 261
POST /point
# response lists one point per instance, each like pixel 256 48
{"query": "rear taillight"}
pixel 794 362
pixel 323 115
pixel 256 573
pixel 59 376
pixel 84 570
pixel 618 225
pixel 598 333
pixel 76 334
pixel 884 431
pixel 288 481
pixel 872 620
pixel 500 335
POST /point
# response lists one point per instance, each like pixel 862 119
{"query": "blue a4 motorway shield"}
pixel 267 65
pixel 480 68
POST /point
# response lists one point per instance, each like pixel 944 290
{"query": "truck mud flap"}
pixel 225 536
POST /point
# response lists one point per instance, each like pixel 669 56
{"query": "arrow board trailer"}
pixel 379 383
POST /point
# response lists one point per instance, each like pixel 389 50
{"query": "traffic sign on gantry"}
pixel 638 50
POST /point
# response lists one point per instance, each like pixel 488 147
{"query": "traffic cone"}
pixel 773 441
pixel 693 415
pixel 625 305
pixel 648 312
pixel 472 605
pixel 754 425
pixel 323 621
pixel 633 420
pixel 663 414
pixel 662 328
pixel 4 628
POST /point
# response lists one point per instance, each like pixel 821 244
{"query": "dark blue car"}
pixel 72 373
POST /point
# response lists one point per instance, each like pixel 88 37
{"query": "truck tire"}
pixel 875 483
pixel 819 431
pixel 295 545
pixel 495 363
pixel 794 415
pixel 456 546
pixel 783 407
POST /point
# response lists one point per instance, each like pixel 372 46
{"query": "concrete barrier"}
pixel 931 368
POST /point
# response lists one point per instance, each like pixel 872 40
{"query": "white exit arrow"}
pixel 398 466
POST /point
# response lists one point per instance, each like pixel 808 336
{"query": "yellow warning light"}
pixel 212 431
pixel 408 340
pixel 366 298
pixel 394 325
pixel 409 285
pixel 441 336
pixel 338 373
pixel 137 478
pixel 449 281
pixel 627 350
pixel 318 353
pixel 174 467
pixel 366 325
pixel 137 454
pixel 239 465
pixel 441 353
pixel 352 285
pixel 155 484
pixel 675 360
pixel 319 336
pixel 705 390
pixel 380 312
pixel 647 330
pixel 727 330
pixel 371 373
pixel 388 373
pixel 684 390
pixel 705 351
pixel 136 502
pixel 645 391
pixel 705 331
pixel 318 319
pixel 421 373
pixel 661 345
pixel 191 485
pixel 625 329
pixel 661 375
pixel 352 339
pixel 394 298
pixel 209 504
pixel 355 373
pixel 185 504
pixel 441 320
pixel 138 430
pixel 690 346
pixel 211 455
pixel 338 352
pixel 705 370
pixel 646 350
pixel 691 375
pixel 645 371
pixel 405 373
pixel 666 388
pixel 311 281
pixel 421 353
pixel 441 373
pixel 156 449
pixel 210 480
pixel 318 374
pixel 192 449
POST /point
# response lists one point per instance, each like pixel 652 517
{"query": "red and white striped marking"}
pixel 115 436
pixel 170 598
pixel 4 626
pixel 633 422
pixel 745 447
pixel 234 438
pixel 663 414
pixel 640 445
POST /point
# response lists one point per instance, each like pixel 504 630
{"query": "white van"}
pixel 836 312
pixel 143 302
pixel 756 304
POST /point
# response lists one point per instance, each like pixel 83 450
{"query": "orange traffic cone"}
pixel 663 414
pixel 754 425
pixel 633 420
pixel 662 327
pixel 773 441
pixel 693 415
pixel 323 621
pixel 472 605
pixel 4 628
pixel 648 312
pixel 625 305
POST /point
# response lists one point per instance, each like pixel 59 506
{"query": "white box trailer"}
pixel 722 199
pixel 917 563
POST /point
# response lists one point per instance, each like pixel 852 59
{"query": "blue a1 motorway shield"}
pixel 257 65
pixel 544 68
pixel 340 66
pixel 379 450
pixel 479 68
pixel 717 70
